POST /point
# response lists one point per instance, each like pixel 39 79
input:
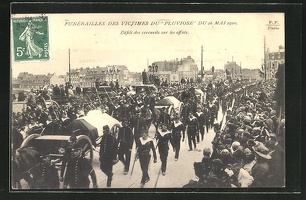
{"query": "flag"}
pixel 261 71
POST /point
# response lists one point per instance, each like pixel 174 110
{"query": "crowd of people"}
pixel 248 151
pixel 248 148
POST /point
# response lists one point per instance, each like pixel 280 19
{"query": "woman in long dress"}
pixel 28 36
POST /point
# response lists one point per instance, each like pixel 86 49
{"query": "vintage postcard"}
pixel 147 100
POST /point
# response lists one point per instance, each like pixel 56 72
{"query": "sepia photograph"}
pixel 147 100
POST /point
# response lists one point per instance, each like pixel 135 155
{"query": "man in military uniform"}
pixel 200 116
pixel 45 176
pixel 78 171
pixel 164 118
pixel 212 117
pixel 64 121
pixel 138 124
pixel 192 130
pixel 126 139
pixel 52 126
pixel 108 154
pixel 144 147
pixel 150 100
pixel 125 110
pixel 178 129
pixel 185 112
pixel 163 137
pixel 78 168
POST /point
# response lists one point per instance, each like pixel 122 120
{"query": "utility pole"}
pixel 235 69
pixel 202 67
pixel 265 67
pixel 240 70
pixel 69 68
pixel 234 66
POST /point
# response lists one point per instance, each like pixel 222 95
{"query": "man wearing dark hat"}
pixel 78 171
pixel 144 77
pixel 125 110
pixel 138 124
pixel 185 112
pixel 150 101
pixel 52 126
pixel 56 90
pixel 64 121
pixel 108 153
pixel 68 155
pixel 164 118
pixel 125 139
pixel 45 176
pixel 192 130
pixel 212 116
pixel 206 113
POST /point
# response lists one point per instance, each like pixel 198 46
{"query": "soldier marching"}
pixel 248 119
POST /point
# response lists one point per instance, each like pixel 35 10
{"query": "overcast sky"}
pixel 92 46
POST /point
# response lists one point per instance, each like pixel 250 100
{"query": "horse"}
pixel 24 160
pixel 40 100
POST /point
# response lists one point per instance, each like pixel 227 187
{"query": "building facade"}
pixel 57 80
pixel 28 81
pixel 273 60
pixel 250 74
pixel 73 77
pixel 174 70
pixel 86 77
pixel 233 69
pixel 89 76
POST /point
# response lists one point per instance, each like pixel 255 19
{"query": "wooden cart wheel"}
pixel 181 109
pixel 171 111
pixel 85 144
pixel 115 130
pixel 28 140
pixel 55 104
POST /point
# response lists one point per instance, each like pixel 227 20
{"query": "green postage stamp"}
pixel 30 37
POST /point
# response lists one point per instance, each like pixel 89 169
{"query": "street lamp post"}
pixel 153 68
pixel 110 73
